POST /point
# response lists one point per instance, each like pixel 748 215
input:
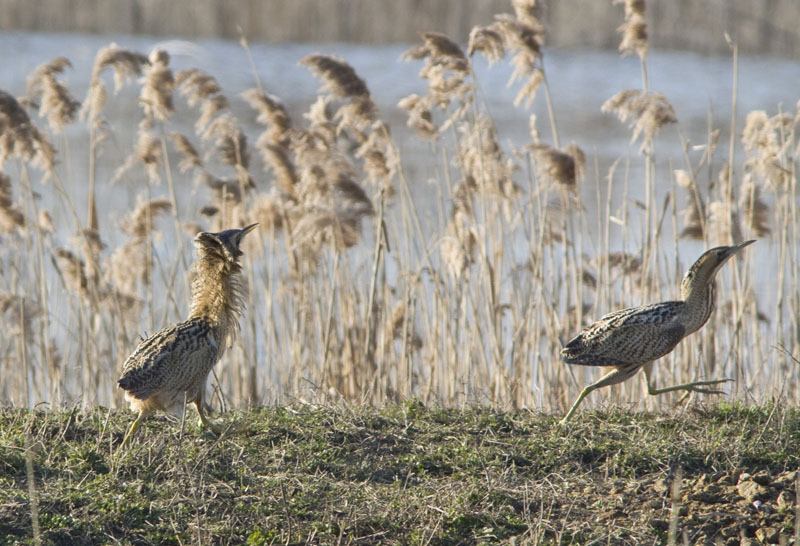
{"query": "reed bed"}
pixel 365 285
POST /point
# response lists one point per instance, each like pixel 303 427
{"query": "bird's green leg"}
pixel 133 428
pixel 617 375
pixel 695 386
pixel 577 403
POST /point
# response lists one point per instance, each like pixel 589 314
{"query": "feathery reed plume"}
pixel 487 41
pixel 131 263
pixel 190 159
pixel 339 77
pixel 157 87
pixel 148 152
pixel 634 29
pixel 11 216
pixel 201 89
pixel 525 40
pixel 268 210
pixel 380 157
pixel 55 101
pixel 561 168
pixel 231 145
pixel 446 70
pixel 340 221
pixel 20 139
pixel 196 85
pixel 766 140
pixel 461 240
pixel 277 158
pixel 419 114
pixel 125 64
pixel 484 161
pixel 649 111
pixel 693 214
pixel 140 222
pixel 272 113
pixel 756 212
pixel 322 131
pixel 341 80
pixel 529 12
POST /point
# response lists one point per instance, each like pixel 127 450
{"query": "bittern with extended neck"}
pixel 170 368
pixel 633 338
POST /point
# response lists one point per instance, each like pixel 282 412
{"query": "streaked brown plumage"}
pixel 170 367
pixel 633 338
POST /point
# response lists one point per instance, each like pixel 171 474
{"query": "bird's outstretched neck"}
pixel 216 293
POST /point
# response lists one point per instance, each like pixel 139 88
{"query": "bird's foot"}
pixel 221 429
pixel 697 386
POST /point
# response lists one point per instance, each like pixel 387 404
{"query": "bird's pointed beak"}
pixel 242 232
pixel 734 249
pixel 740 246
pixel 245 231
pixel 251 227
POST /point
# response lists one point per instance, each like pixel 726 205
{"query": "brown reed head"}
pixel 20 139
pixel 272 113
pixel 648 111
pixel 190 159
pixel 158 85
pixel 55 101
pixel 487 41
pixel 339 77
pixel 125 65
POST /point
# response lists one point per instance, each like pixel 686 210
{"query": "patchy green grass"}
pixel 404 474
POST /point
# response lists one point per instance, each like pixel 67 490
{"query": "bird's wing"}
pixel 161 361
pixel 630 336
